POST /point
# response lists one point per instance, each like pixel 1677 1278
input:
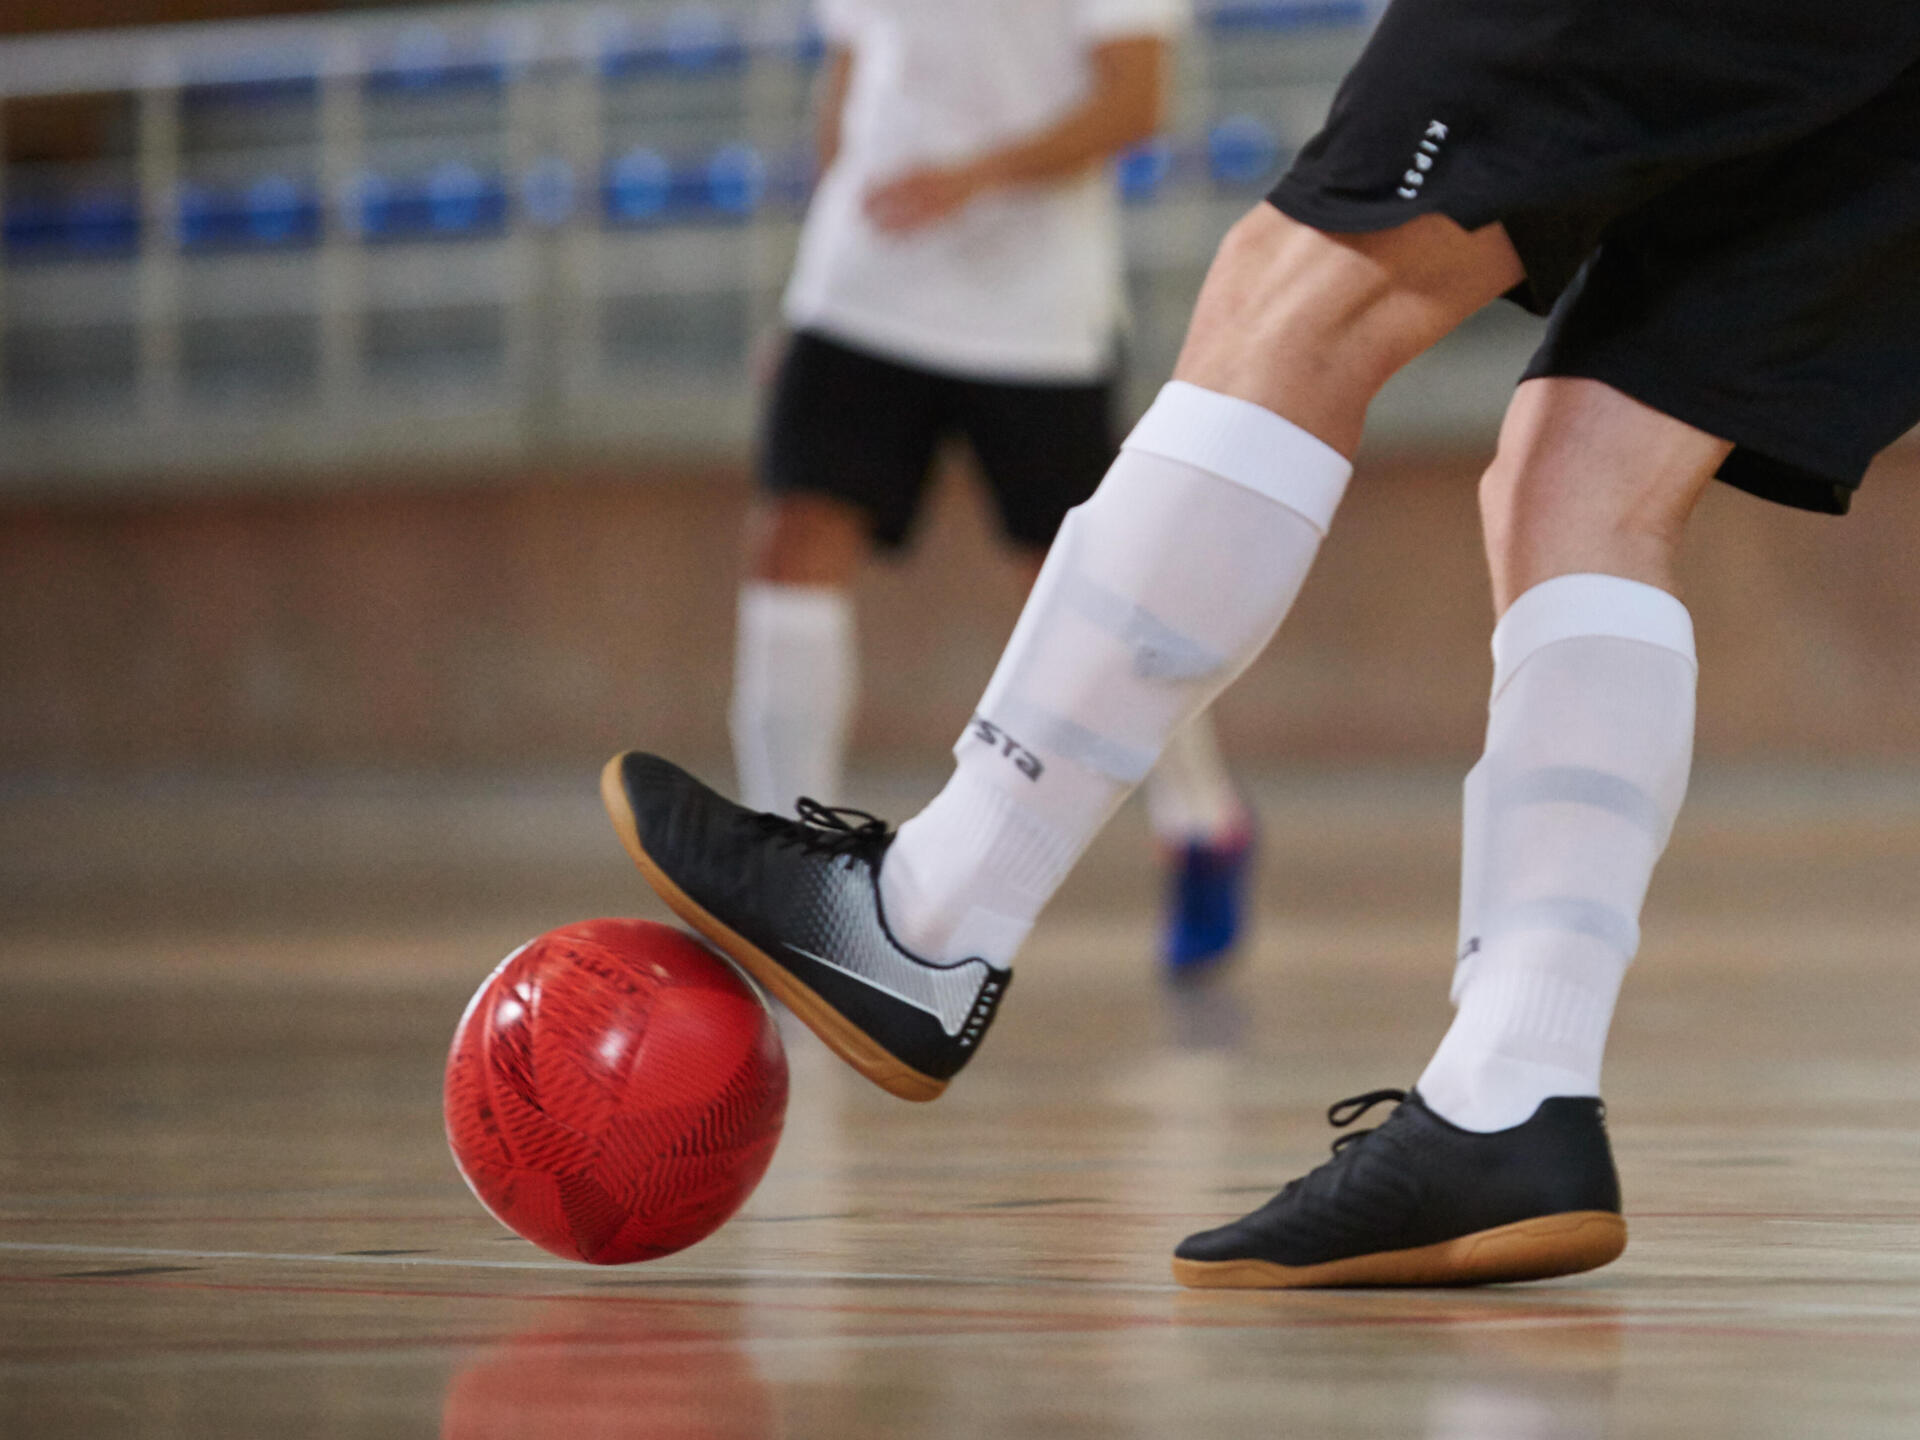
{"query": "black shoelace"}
pixel 830 830
pixel 1343 1113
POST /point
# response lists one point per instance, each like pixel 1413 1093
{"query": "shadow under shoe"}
pixel 796 903
pixel 1419 1201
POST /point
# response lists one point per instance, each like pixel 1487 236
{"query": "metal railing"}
pixel 490 232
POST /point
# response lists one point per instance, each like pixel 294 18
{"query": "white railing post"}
pixel 522 103
pixel 581 279
pixel 768 126
pixel 157 168
pixel 342 279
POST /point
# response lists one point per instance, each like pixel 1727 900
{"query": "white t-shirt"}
pixel 1022 283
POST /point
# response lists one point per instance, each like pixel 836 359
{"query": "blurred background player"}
pixel 959 275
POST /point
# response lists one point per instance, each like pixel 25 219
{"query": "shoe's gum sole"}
pixel 1528 1250
pixel 842 1038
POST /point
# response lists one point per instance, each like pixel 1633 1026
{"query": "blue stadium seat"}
pixel 1144 169
pixel 367 204
pixel 456 197
pixel 273 210
pixel 280 89
pixel 34 227
pixel 103 221
pixel 736 180
pixel 639 187
pixel 277 211
pixel 693 40
pixel 94 221
pixel 643 187
pixel 453 201
pixel 1285 14
pixel 809 44
pixel 424 59
pixel 197 216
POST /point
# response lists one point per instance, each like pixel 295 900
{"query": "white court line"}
pixel 414 1352
pixel 390 1353
pixel 1610 1305
pixel 596 1272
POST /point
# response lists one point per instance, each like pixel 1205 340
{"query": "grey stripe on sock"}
pixel 1159 651
pixel 1583 785
pixel 1056 737
pixel 1611 926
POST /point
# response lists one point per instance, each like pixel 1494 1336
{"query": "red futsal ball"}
pixel 615 1091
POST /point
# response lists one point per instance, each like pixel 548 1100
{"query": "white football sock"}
pixel 1156 594
pixel 1190 794
pixel 1589 740
pixel 793 686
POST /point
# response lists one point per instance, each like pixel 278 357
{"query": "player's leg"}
pixel 1043 449
pixel 1156 594
pixel 795 663
pixel 1497 1167
pixel 1589 740
pixel 848 441
pixel 1206 833
pixel 1769 301
pixel 1165 585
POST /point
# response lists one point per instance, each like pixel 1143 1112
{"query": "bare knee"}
pixel 1311 325
pixel 1277 293
pixel 1589 480
pixel 802 539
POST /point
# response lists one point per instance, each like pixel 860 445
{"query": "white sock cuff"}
pixel 811 608
pixel 1570 607
pixel 1247 444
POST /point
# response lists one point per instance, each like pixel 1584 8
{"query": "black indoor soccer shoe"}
pixel 1419 1201
pixel 797 904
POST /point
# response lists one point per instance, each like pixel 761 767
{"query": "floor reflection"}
pixel 598 1370
pixel 1207 1016
pixel 1545 1378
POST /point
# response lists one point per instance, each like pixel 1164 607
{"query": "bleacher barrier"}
pixel 493 231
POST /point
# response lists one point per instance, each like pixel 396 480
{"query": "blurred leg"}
pixel 795 659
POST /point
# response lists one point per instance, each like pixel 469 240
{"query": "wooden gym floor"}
pixel 226 1207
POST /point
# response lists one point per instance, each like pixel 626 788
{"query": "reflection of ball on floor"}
pixel 585 1370
pixel 615 1091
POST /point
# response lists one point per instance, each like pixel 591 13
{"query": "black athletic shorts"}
pixel 865 429
pixel 1718 201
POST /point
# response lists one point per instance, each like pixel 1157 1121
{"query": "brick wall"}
pixel 548 619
